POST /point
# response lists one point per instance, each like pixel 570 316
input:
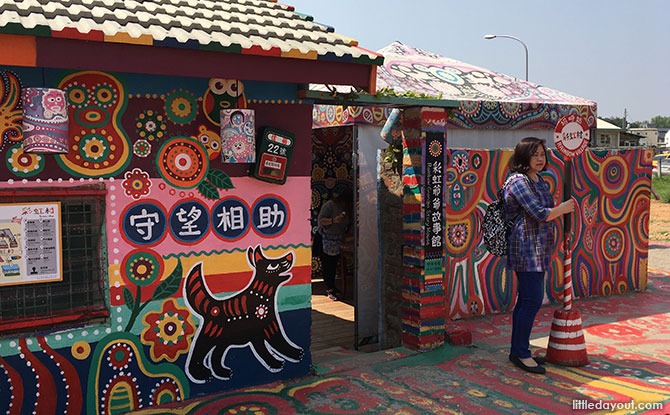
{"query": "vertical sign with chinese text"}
pixel 434 213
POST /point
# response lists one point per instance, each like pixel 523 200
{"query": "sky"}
pixel 614 52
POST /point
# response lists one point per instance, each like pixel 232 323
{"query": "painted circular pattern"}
pixel 142 267
pixel 330 114
pixel 77 95
pixel 141 148
pixel 435 148
pixel 150 125
pixel 80 350
pixel 104 95
pixel 182 162
pixel 612 244
pixel 119 356
pixel 181 107
pixel 510 109
pixel 92 117
pixel 470 107
pixel 615 177
pixel 24 164
pixel 469 178
pixel 94 148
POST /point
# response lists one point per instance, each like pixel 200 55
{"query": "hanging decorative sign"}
pixel 571 135
pixel 238 136
pixel 44 121
pixel 274 155
pixel 30 243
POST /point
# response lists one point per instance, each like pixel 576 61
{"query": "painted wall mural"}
pixel 248 318
pixel 612 189
pixel 208 272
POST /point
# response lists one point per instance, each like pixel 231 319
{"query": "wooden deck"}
pixel 332 323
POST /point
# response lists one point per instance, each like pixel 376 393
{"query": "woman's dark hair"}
pixel 525 148
pixel 344 196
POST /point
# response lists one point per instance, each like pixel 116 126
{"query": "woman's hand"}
pixel 340 218
pixel 564 208
pixel 567 207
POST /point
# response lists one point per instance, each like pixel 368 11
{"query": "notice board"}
pixel 30 243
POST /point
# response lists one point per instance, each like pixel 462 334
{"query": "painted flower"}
pixel 458 234
pixel 142 148
pixel 94 148
pixel 262 311
pixel 24 164
pixel 168 332
pixel 150 125
pixel 142 267
pixel 136 183
pixel 119 356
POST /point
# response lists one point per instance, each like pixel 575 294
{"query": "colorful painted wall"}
pixel 610 229
pixel 208 270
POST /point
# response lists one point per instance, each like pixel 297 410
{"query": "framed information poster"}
pixel 30 243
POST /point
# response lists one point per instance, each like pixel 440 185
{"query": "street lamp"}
pixel 488 37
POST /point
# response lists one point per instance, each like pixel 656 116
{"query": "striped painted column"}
pixel 423 312
pixel 567 345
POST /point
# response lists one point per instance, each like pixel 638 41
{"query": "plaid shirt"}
pixel 532 237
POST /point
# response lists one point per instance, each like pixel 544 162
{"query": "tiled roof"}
pixel 255 27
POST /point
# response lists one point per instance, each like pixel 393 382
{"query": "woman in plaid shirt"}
pixel 530 205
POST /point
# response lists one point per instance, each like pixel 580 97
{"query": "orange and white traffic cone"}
pixel 567 346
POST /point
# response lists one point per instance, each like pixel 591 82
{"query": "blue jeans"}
pixel 529 300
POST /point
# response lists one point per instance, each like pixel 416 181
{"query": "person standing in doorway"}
pixel 334 220
pixel 530 206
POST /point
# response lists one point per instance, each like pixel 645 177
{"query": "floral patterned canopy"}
pixel 409 69
pixel 485 99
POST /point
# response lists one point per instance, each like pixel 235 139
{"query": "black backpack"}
pixel 495 226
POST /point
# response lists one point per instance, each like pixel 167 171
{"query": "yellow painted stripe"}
pixel 126 38
pixel 220 263
pixel 296 53
pixel 648 394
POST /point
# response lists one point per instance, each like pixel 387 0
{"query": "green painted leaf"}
pixel 170 285
pixel 128 298
pixel 220 179
pixel 208 191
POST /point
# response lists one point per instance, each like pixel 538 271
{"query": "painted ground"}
pixel 628 347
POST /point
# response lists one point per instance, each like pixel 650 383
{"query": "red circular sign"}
pixel 571 135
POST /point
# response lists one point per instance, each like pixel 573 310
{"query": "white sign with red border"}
pixel 571 135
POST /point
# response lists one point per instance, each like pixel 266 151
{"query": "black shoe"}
pixel 538 370
pixel 332 295
pixel 540 360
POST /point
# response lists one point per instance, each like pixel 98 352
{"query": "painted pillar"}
pixel 423 228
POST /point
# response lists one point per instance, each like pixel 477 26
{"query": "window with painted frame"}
pixel 79 297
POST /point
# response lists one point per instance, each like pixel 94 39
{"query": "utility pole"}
pixel 625 122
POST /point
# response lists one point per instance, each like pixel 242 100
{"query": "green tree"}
pixel 618 121
pixel 660 121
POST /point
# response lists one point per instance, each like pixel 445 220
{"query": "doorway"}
pixel 333 322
